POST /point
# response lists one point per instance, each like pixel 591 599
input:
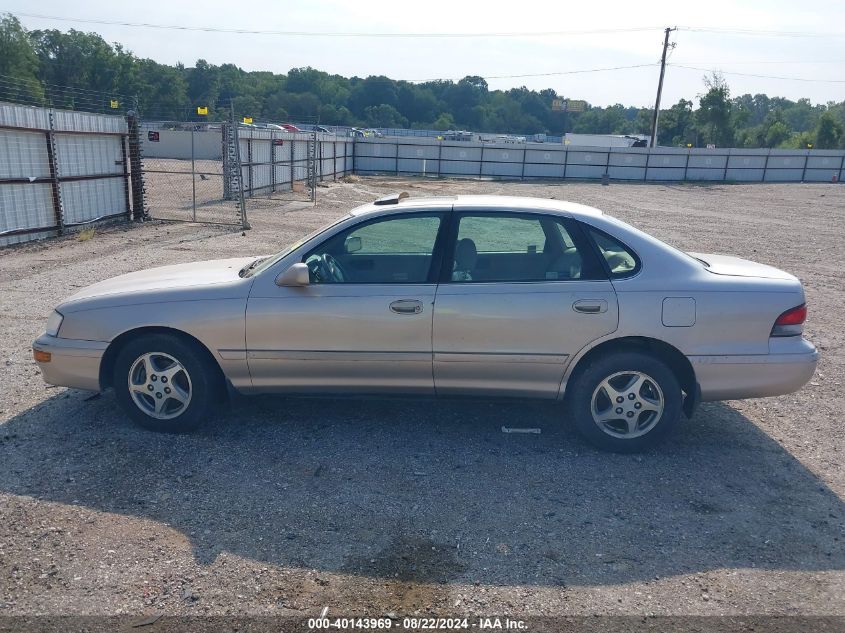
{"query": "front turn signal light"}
pixel 42 357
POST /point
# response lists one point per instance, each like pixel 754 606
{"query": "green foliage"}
pixel 829 132
pixel 18 59
pixel 713 117
pixel 80 70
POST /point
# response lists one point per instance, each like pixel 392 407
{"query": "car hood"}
pixel 738 267
pixel 179 276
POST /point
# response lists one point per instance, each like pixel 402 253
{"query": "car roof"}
pixel 397 203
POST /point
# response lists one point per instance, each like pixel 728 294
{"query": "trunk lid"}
pixel 738 267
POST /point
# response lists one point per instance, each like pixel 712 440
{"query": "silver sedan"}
pixel 487 296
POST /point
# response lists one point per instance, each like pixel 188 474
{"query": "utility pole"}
pixel 660 87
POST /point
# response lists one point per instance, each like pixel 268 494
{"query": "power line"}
pixel 211 29
pixel 302 33
pixel 758 32
pixel 550 74
pixel 784 62
pixel 807 79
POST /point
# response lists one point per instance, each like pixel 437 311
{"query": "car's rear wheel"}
pixel 625 402
pixel 164 383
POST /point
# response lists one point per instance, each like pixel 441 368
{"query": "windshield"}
pixel 262 264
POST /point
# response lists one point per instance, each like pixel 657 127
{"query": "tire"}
pixel 173 383
pixel 649 411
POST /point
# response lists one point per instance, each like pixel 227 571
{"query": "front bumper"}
pixel 73 363
pixel 755 376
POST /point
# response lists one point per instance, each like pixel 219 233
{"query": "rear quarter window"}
pixel 621 261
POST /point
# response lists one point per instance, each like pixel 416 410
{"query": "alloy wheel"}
pixel 160 385
pixel 627 404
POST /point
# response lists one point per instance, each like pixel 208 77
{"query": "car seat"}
pixel 466 254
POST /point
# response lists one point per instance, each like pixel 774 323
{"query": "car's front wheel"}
pixel 164 383
pixel 625 402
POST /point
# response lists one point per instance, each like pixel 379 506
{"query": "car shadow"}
pixel 434 491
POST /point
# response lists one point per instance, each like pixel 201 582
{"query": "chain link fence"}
pixel 184 168
pixel 214 172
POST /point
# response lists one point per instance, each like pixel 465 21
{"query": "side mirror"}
pixel 296 275
pixel 352 244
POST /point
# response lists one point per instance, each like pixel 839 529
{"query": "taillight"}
pixel 791 322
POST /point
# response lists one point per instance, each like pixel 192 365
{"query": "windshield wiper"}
pixel 243 271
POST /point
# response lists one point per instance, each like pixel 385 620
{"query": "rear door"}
pixel 520 294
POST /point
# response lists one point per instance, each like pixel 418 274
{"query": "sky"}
pixel 818 56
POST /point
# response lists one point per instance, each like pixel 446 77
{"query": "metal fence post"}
pixel 439 156
pixel 565 162
pixel 397 158
pixel 193 178
pixel 236 169
pixel 273 162
pixel 686 164
pixel 58 208
pixel 806 160
pixel 481 163
pixel 249 165
pixel 522 177
pixel 126 186
pixel 727 161
pixel 136 176
pixel 766 164
pixel 292 144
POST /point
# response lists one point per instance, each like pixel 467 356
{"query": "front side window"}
pixel 385 251
pixel 517 247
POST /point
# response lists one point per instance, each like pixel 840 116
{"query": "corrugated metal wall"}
pixel 423 156
pixel 58 170
pixel 271 160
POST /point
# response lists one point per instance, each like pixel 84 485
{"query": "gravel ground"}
pixel 284 506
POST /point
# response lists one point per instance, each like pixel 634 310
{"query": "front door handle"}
pixel 590 306
pixel 406 306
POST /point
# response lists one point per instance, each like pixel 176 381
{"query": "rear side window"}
pixel 519 247
pixel 621 261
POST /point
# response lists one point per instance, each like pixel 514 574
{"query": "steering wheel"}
pixel 330 269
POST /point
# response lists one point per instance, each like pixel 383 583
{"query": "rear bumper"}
pixel 755 376
pixel 73 363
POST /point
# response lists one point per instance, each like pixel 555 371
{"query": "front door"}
pixel 523 294
pixel 363 324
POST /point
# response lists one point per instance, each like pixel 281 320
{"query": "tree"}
pixel 714 112
pixel 203 84
pixel 384 115
pixel 777 134
pixel 677 126
pixel 444 122
pixel 18 64
pixel 829 134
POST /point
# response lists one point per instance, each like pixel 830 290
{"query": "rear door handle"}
pixel 406 306
pixel 590 306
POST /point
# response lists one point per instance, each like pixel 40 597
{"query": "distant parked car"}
pixel 322 129
pixel 290 127
pixel 470 296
